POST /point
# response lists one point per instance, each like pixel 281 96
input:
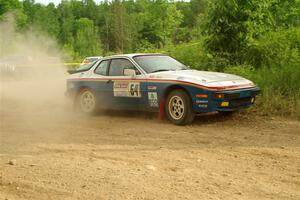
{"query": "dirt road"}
pixel 49 152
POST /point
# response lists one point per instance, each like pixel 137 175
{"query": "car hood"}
pixel 214 80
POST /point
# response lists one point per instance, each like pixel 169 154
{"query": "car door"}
pixel 101 84
pixel 128 92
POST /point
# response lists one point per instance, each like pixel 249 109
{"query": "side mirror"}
pixel 129 72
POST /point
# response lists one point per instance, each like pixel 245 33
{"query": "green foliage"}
pixel 286 12
pixel 119 31
pixel 13 7
pixel 232 24
pixel 7 5
pixel 47 15
pixel 275 59
pixel 246 71
pixel 84 28
pixel 279 61
pixel 281 89
pixel 192 54
pixel 160 20
pixel 273 48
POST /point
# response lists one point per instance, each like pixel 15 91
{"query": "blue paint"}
pixel 104 90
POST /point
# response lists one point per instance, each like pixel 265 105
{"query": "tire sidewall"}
pixel 188 114
pixel 78 102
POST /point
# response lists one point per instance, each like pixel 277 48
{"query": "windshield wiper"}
pixel 182 69
pixel 160 70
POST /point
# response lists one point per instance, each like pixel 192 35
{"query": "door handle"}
pixel 109 81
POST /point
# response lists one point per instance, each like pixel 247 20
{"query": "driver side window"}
pixel 118 65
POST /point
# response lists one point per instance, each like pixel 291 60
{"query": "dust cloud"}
pixel 32 76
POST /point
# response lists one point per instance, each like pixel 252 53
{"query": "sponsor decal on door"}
pixel 127 89
pixel 152 99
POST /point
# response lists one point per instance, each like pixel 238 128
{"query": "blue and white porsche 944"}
pixel 158 83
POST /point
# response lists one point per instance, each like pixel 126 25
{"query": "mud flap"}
pixel 161 113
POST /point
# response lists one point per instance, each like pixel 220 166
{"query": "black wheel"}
pixel 86 101
pixel 178 108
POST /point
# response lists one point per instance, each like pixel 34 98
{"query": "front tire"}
pixel 179 108
pixel 86 102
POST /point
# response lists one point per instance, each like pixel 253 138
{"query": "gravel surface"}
pixel 47 151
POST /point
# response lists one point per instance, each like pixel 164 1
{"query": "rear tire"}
pixel 86 102
pixel 179 108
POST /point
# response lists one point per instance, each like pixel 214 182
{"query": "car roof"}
pixel 132 55
pixel 93 57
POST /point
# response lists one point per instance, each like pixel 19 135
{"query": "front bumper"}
pixel 237 100
pixel 231 100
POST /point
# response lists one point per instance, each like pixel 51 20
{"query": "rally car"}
pixel 158 83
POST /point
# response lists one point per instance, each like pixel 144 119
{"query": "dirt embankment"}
pixel 49 152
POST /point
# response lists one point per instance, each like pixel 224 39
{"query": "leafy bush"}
pixel 280 87
pixel 246 71
pixel 195 55
pixel 272 48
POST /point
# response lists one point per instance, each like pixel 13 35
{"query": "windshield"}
pixel 157 63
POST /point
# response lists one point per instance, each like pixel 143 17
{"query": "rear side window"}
pixel 92 59
pixel 117 67
pixel 102 68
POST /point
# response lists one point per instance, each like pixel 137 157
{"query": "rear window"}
pixel 85 67
pixel 92 59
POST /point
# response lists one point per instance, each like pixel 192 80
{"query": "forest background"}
pixel 257 39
